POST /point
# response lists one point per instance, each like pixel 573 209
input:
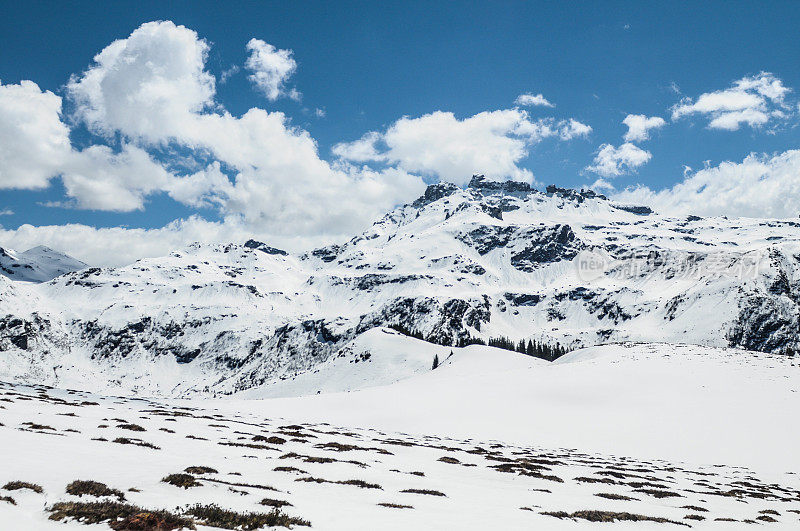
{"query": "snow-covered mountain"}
pixel 38 264
pixel 493 259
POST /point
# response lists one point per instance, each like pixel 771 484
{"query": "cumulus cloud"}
pixel 752 101
pixel 270 69
pixel 613 161
pixel 759 186
pixel 531 100
pixel 639 126
pixel 99 179
pixel 441 145
pixel 35 148
pixel 362 150
pixel 34 142
pixel 153 89
pixel 150 85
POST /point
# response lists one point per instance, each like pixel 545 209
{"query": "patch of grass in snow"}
pixel 93 488
pixel 612 496
pixel 17 485
pixel 130 427
pixel 424 491
pixel 339 447
pixel 182 480
pixel 288 469
pixel 395 505
pixel 355 482
pixel 120 516
pixel 215 516
pixel 39 427
pixel 610 516
pixel 273 439
pixel 270 502
pixel 321 460
pixel 247 485
pixel 657 493
pixel 135 442
pixel 8 499
pixel 200 470
pixel 695 508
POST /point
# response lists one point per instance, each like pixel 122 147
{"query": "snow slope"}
pixel 676 402
pixel 38 264
pixel 680 431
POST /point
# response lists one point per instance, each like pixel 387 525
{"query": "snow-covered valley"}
pixel 649 436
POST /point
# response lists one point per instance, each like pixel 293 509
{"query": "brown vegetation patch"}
pixel 93 488
pixel 17 485
pixel 130 427
pixel 182 480
pixel 355 482
pixel 395 505
pixel 200 470
pixel 270 502
pixel 612 496
pixel 120 516
pixel 273 439
pixel 215 516
pixel 424 491
pixel 609 516
pixel 136 442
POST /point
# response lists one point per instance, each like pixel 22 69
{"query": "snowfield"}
pixel 677 435
pixel 238 386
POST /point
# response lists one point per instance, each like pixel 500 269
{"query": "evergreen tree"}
pixel 435 361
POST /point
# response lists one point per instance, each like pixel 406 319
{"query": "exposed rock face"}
pixel 263 247
pixel 488 260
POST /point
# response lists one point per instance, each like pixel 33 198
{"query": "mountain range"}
pixel 456 266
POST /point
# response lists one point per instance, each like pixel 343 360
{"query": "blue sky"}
pixel 361 67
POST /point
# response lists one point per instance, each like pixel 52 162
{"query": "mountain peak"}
pixel 37 264
pixel 479 182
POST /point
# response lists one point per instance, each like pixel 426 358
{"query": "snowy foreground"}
pixel 668 435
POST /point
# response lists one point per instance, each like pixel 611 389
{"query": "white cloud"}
pixel 114 246
pixel 6 212
pixel 569 129
pixel 35 147
pixel 362 150
pixel 601 184
pixel 226 74
pixel 530 100
pixel 99 179
pixel 751 101
pixel 205 188
pixel 270 69
pixel 439 144
pixel 759 186
pixel 613 161
pixel 149 85
pixel 34 142
pixel 279 180
pixel 639 126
